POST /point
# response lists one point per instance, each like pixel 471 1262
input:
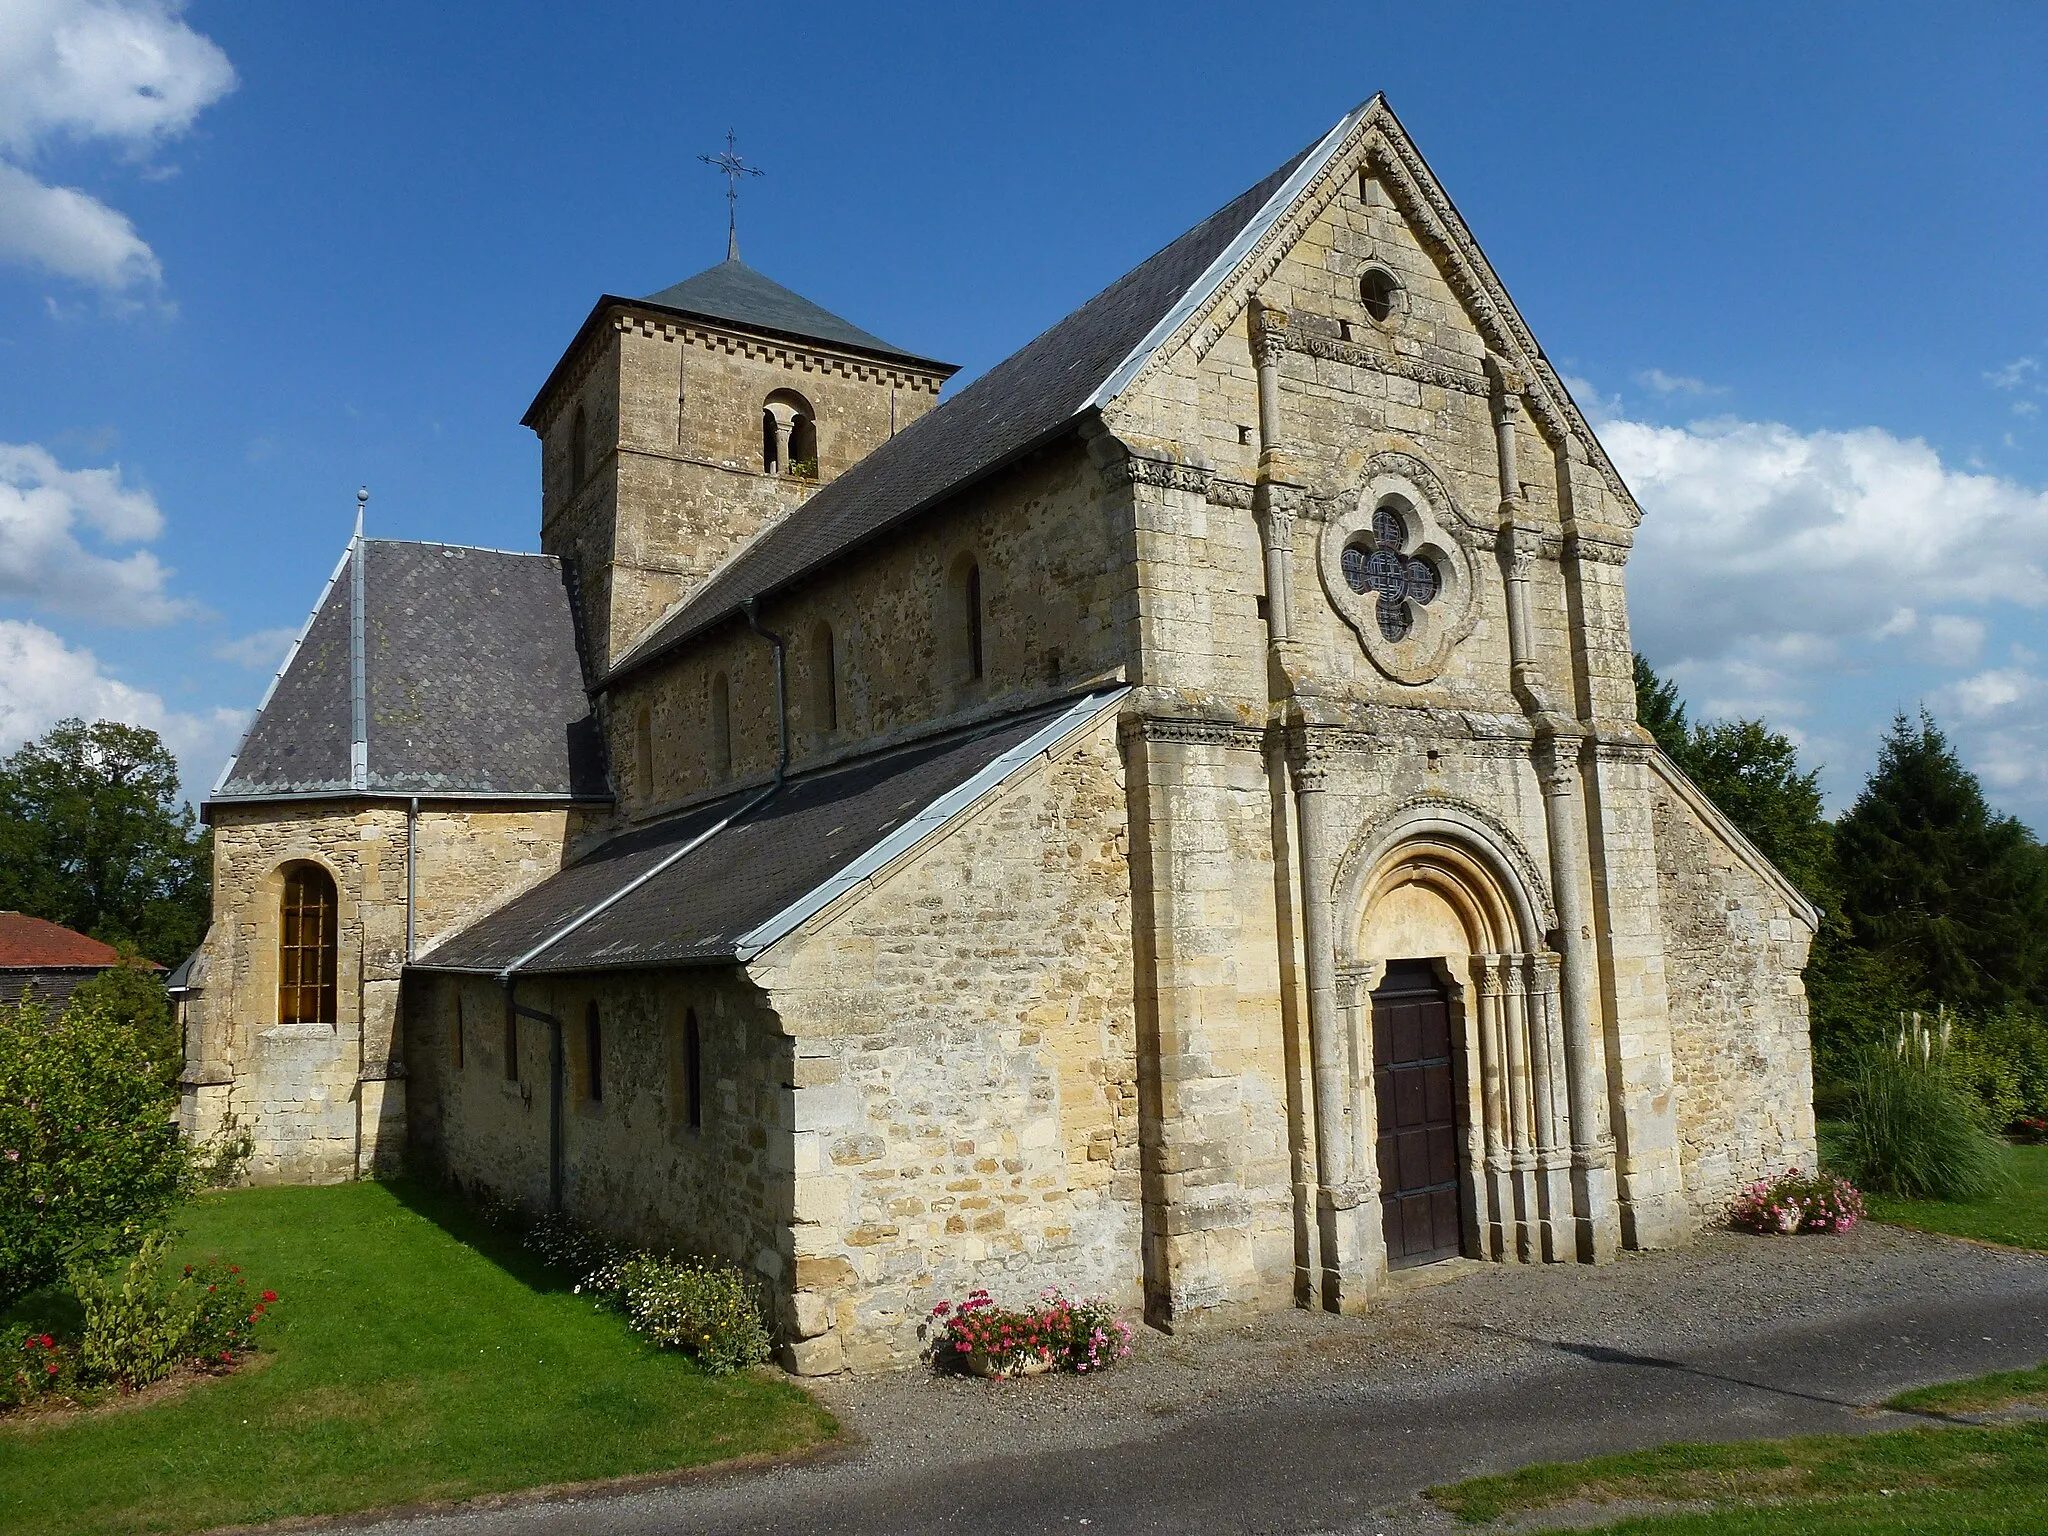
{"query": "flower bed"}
pixel 1798 1202
pixel 141 1326
pixel 1059 1334
pixel 708 1308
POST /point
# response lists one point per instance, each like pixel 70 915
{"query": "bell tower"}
pixel 677 426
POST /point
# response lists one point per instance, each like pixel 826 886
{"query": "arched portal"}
pixel 1449 989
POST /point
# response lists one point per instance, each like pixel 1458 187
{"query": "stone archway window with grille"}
pixel 1383 566
pixel 307 942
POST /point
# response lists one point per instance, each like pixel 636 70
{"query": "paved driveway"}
pixel 1304 1423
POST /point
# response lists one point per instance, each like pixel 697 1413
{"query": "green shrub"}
pixel 136 1320
pixel 1911 1131
pixel 141 1323
pixel 706 1307
pixel 88 1155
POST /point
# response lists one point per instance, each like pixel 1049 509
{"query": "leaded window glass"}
pixel 306 947
pixel 1398 577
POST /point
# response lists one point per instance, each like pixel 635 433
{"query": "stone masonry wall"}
pixel 321 1099
pixel 1047 549
pixel 675 481
pixel 965 1106
pixel 633 1165
pixel 1742 1058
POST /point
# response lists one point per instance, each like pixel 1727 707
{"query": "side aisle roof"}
pixel 723 881
pixel 433 670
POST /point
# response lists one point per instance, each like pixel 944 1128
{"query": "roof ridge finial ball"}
pixel 362 495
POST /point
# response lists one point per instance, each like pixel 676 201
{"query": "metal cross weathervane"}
pixel 730 166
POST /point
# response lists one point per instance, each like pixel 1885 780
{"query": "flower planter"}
pixel 982 1365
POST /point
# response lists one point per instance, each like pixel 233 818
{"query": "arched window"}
pixel 643 751
pixel 824 679
pixel 307 941
pixel 964 584
pixel 789 435
pixel 687 1074
pixel 721 727
pixel 579 449
pixel 593 1054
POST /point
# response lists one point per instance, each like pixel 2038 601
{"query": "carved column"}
pixel 1352 1249
pixel 1521 1211
pixel 1596 1234
pixel 1498 1220
pixel 1354 998
pixel 1272 496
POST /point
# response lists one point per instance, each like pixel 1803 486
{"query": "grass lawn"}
pixel 414 1355
pixel 1921 1480
pixel 2018 1217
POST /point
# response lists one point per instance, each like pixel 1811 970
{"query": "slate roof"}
pixel 746 870
pixel 471 685
pixel 734 292
pixel 1022 403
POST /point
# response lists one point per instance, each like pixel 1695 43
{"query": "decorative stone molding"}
pixel 1236 494
pixel 1459 821
pixel 1359 354
pixel 1192 732
pixel 1597 551
pixel 1162 474
pixel 1435 626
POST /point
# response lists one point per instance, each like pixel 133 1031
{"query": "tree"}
pixel 89 1158
pixel 92 835
pixel 135 995
pixel 1659 709
pixel 1752 773
pixel 1948 892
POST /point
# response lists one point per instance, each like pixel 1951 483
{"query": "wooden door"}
pixel 1415 1085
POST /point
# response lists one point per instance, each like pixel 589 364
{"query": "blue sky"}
pixel 254 256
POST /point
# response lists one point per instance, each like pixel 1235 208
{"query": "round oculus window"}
pixel 1379 293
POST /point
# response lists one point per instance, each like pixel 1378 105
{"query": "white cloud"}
pixel 125 72
pixel 43 680
pixel 1755 531
pixel 1996 692
pixel 262 651
pixel 1675 383
pixel 1954 641
pixel 69 234
pixel 1822 579
pixel 43 508
pixel 2014 374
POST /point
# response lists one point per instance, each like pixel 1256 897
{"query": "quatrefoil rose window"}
pixel 1379 565
pixel 1398 579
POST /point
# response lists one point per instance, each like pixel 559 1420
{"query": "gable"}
pixel 1285 240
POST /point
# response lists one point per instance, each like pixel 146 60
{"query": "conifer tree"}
pixel 1950 894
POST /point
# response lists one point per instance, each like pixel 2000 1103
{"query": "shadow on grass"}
pixel 453 1212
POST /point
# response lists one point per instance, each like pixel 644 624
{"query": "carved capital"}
pixel 1312 755
pixel 1269 333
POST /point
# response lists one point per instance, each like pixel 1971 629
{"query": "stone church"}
pixel 1167 819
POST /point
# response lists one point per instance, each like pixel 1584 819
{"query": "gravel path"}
pixel 1303 1422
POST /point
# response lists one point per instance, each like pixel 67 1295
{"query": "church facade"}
pixel 1167 820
